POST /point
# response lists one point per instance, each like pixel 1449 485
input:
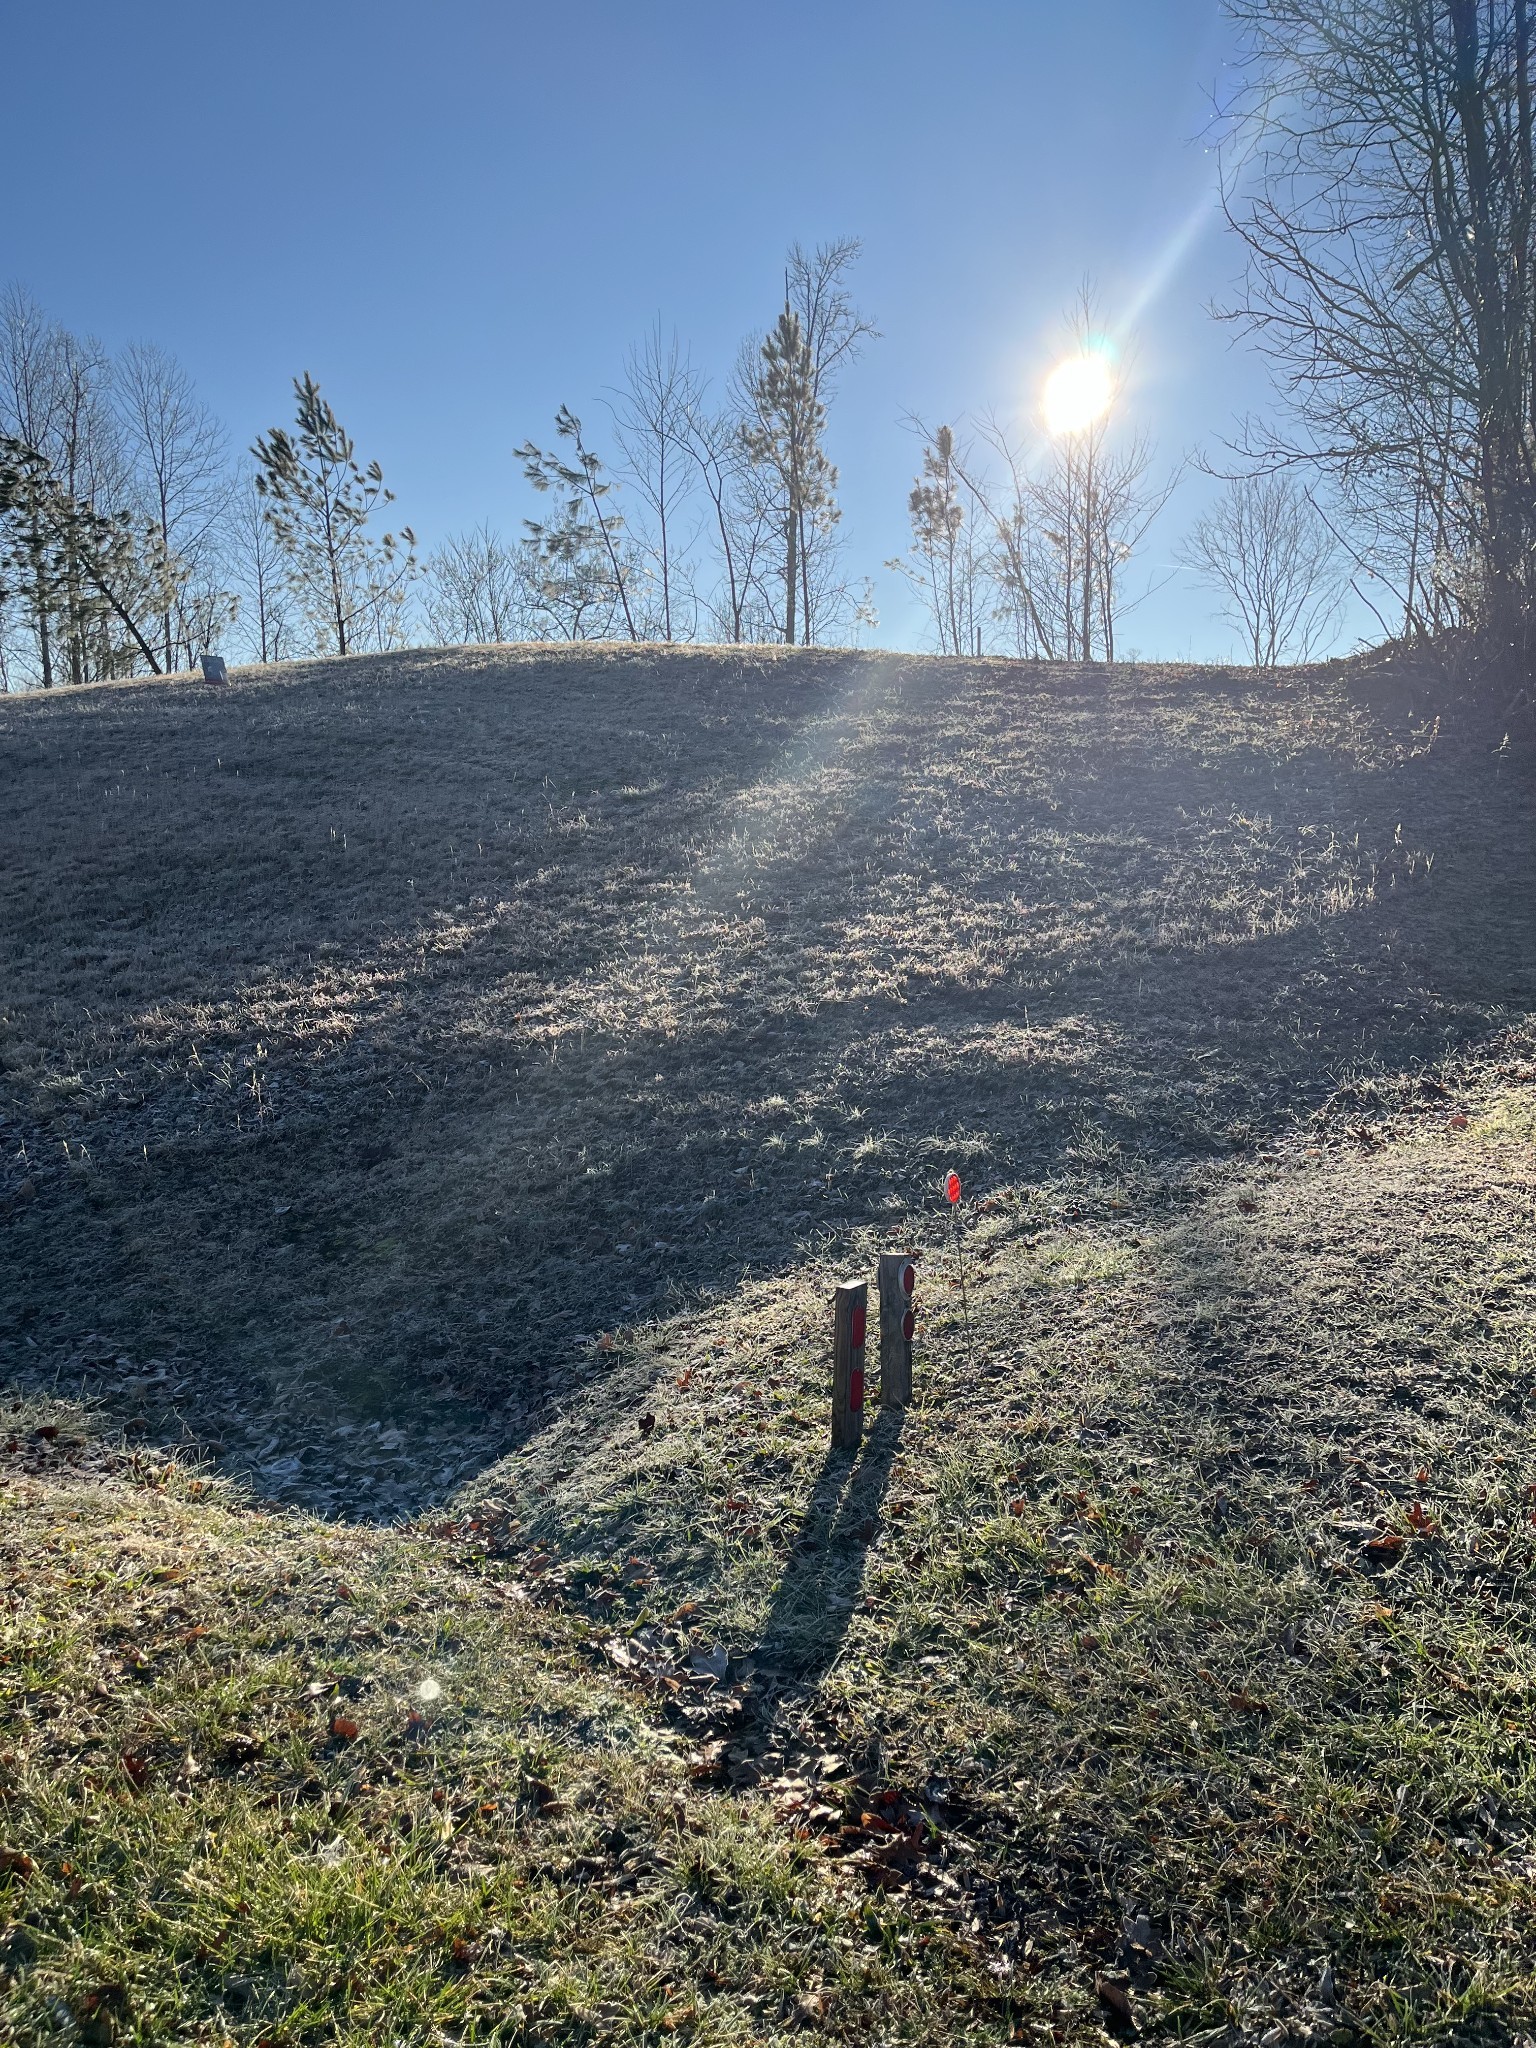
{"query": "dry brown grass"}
pixel 372 1032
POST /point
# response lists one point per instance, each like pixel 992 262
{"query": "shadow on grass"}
pixel 709 1021
pixel 814 1601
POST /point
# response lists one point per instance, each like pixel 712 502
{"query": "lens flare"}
pixel 1078 392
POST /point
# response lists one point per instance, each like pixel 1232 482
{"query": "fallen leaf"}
pixel 135 1769
pixel 1117 1996
pixel 343 1729
pixel 15 1863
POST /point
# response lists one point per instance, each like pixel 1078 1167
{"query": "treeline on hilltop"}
pixel 1377 172
pixel 133 540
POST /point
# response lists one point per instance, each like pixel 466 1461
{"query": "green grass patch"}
pixel 1168 1666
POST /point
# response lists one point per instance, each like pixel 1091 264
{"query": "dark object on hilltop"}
pixel 214 670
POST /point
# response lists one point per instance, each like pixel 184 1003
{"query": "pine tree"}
pixel 319 502
pixel 785 434
pixel 938 515
pixel 30 565
pixel 65 556
pixel 580 551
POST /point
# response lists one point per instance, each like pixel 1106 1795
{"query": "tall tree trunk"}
pixel 791 570
pixel 1495 452
pixel 805 582
pixel 1086 529
pixel 337 606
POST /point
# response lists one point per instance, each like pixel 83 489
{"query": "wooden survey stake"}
pixel 898 1280
pixel 849 1310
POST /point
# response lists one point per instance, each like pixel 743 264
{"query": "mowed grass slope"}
pixel 1168 1667
pixel 372 1033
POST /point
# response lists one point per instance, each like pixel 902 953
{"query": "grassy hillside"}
pixel 372 1033
pixel 449 1086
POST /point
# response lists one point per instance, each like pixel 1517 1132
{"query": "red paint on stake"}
pixel 848 1324
pixel 952 1188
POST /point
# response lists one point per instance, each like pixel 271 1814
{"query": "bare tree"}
pixel 29 409
pixel 179 459
pixel 258 568
pixel 1063 525
pixel 742 520
pixel 86 458
pixel 1017 561
pixel 1276 563
pixel 657 402
pixel 1094 500
pixel 476 590
pixel 1094 505
pixel 1380 178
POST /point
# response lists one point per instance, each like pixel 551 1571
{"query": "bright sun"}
pixel 1078 392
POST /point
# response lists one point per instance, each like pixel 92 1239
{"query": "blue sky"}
pixel 457 215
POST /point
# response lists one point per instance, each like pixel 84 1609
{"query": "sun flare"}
pixel 1078 392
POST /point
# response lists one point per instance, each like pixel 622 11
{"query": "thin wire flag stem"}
pixel 952 1193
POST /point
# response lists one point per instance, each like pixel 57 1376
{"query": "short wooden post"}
pixel 898 1279
pixel 849 1311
